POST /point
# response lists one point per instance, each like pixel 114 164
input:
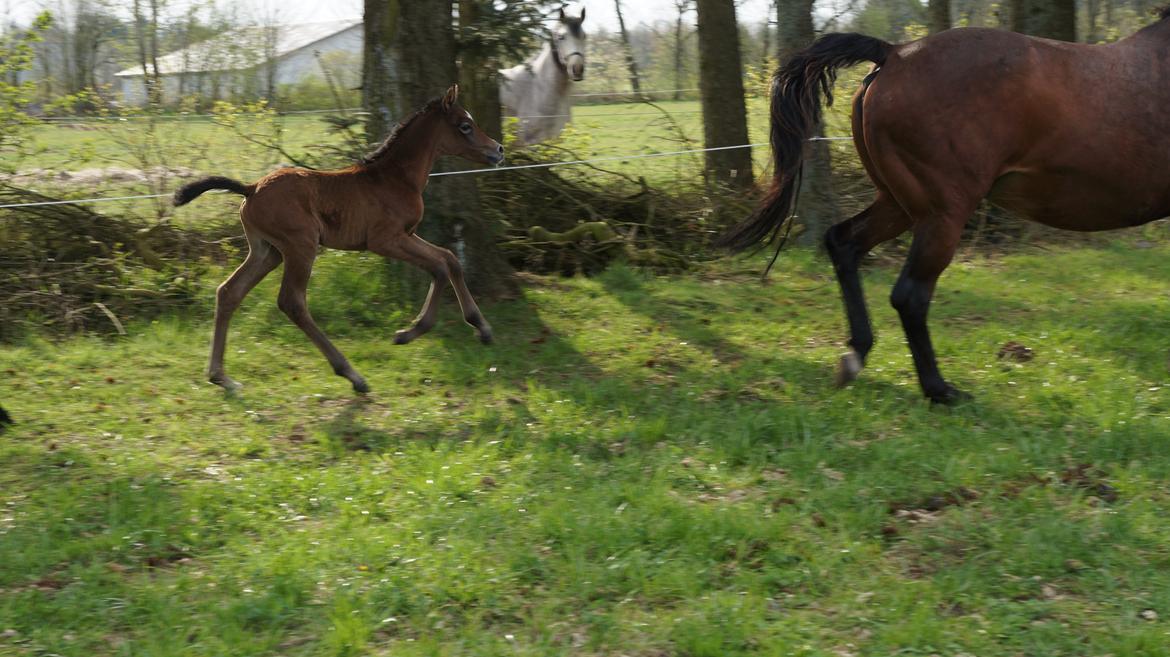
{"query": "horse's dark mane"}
pixel 396 132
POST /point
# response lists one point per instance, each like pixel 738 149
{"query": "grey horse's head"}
pixel 568 41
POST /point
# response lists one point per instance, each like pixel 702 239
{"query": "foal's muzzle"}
pixel 494 156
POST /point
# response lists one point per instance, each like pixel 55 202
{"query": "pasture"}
pixel 639 466
pixel 201 144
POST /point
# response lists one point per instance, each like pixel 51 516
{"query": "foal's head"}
pixel 459 135
pixel 568 41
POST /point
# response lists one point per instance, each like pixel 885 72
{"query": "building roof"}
pixel 243 48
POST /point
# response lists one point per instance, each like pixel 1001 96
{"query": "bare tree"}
pixel 146 38
pixel 683 7
pixel 635 83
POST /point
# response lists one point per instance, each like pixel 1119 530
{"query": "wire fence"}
pixel 196 116
pixel 541 165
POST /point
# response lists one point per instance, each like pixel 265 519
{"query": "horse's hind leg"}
pixel 934 245
pixel 262 259
pixel 847 242
pixel 443 267
pixel 292 302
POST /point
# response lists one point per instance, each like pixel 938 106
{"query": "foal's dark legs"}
pixel 298 265
pixel 847 242
pixel 443 267
pixel 262 259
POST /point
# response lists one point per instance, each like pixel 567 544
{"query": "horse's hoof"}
pixel 950 396
pixel 485 336
pixel 848 369
pixel 361 387
pixel 226 382
pixel 402 337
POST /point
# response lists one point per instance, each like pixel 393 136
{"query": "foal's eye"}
pixel 465 128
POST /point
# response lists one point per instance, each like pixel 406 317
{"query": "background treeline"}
pixel 90 40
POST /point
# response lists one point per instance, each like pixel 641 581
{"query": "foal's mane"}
pixel 397 131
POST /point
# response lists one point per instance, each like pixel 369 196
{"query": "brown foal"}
pixel 374 205
pixel 1069 135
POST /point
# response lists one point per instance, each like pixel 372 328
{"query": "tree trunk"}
pixel 816 207
pixel 424 53
pixel 635 84
pixel 721 89
pixel 938 15
pixel 157 83
pixel 379 96
pixel 479 80
pixel 1092 8
pixel 1052 19
pixel 140 40
pixel 683 6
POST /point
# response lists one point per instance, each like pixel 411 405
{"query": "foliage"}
pixel 507 30
pixel 16 56
pixel 638 466
pixel 67 269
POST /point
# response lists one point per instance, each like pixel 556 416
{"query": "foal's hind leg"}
pixel 443 266
pixel 847 242
pixel 291 301
pixel 262 259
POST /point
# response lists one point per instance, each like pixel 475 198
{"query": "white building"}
pixel 246 61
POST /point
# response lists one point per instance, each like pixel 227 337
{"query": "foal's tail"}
pixel 797 87
pixel 193 190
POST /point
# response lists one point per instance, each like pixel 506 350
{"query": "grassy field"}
pixel 596 131
pixel 640 466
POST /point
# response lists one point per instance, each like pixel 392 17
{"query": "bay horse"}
pixel 374 205
pixel 1068 135
pixel 537 91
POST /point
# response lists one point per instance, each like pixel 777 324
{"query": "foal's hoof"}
pixel 361 387
pixel 485 336
pixel 848 369
pixel 950 396
pixel 404 336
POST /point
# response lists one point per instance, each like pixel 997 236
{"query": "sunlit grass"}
pixel 640 466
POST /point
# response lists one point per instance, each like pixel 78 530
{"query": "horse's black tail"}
pixel 193 190
pixel 796 111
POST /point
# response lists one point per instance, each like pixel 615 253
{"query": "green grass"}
pixel 640 466
pixel 596 131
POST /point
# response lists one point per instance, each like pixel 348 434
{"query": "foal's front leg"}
pixel 443 267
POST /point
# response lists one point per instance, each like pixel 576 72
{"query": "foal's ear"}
pixel 450 97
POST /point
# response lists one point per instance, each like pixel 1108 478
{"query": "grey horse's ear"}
pixel 562 18
pixel 450 97
pixel 582 14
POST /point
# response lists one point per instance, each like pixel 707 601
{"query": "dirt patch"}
pixel 93 177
